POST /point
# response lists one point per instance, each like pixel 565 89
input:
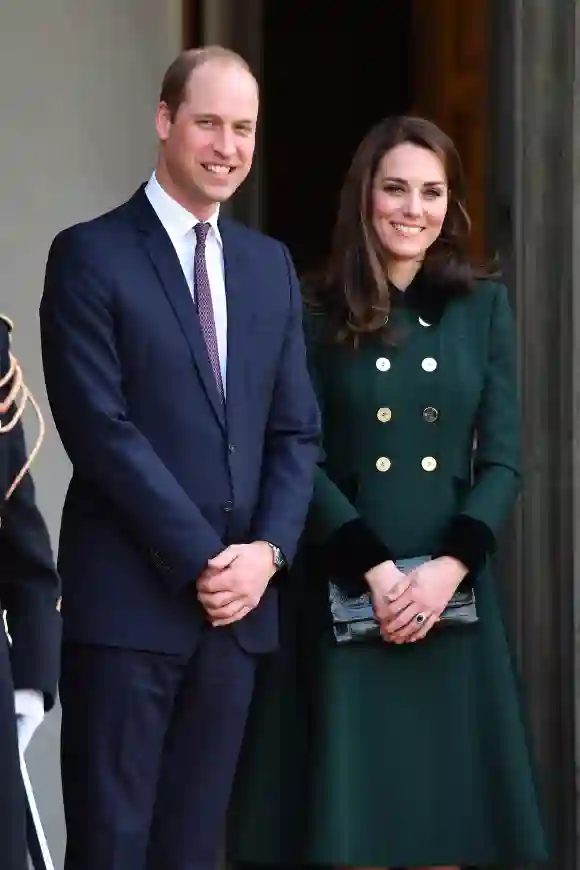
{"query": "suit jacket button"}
pixel 383 364
pixel 429 364
pixel 384 415
pixel 383 463
pixel 228 507
pixel 429 463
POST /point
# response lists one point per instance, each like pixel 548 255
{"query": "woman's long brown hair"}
pixel 354 292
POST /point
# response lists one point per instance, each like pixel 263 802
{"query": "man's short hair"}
pixel 176 79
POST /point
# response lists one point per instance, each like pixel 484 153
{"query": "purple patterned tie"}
pixel 204 303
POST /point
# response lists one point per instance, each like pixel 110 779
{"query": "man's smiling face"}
pixel 208 146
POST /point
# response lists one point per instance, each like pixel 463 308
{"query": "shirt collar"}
pixel 176 220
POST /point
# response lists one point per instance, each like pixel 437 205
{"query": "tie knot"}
pixel 201 231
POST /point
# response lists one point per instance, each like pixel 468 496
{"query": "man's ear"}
pixel 163 121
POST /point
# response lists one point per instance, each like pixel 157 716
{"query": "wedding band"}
pixel 420 618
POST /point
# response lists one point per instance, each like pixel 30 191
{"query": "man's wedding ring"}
pixel 420 618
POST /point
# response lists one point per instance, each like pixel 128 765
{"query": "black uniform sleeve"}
pixel 29 584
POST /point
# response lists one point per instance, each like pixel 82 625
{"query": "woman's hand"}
pixel 412 612
pixel 383 580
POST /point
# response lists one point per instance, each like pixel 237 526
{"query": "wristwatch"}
pixel 277 555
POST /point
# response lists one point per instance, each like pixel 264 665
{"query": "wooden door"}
pixel 449 58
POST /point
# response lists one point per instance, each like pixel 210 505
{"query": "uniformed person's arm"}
pixel 348 545
pixel 472 535
pixel 29 585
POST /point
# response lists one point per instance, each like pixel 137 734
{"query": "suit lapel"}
pixel 168 268
pixel 239 307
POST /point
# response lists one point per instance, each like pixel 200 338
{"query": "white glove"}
pixel 29 706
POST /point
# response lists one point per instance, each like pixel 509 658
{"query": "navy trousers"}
pixel 149 747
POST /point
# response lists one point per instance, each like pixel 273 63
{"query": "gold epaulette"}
pixel 9 323
pixel 14 398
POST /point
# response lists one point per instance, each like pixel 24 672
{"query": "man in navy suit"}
pixel 176 372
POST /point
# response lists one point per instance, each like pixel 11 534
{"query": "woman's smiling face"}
pixel 409 201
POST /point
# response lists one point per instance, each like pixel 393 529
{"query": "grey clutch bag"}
pixel 353 619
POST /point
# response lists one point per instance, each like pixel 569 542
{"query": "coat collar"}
pixel 425 296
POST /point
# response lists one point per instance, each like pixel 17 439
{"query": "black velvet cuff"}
pixel 35 651
pixel 350 552
pixel 468 540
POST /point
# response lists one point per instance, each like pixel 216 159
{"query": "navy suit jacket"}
pixel 164 476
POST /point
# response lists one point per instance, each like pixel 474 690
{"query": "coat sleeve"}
pixel 85 389
pixel 29 584
pixel 348 546
pixel 471 536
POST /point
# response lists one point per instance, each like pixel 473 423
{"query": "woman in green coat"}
pixel 405 749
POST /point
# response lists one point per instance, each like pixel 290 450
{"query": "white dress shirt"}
pixel 178 224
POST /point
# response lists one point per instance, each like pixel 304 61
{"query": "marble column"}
pixel 534 206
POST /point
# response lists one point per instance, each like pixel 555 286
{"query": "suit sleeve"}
pixel 84 382
pixel 292 437
pixel 29 584
pixel 497 463
pixel 348 546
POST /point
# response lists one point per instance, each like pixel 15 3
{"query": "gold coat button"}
pixel 383 463
pixel 383 364
pixel 424 322
pixel 430 414
pixel 384 415
pixel 429 463
pixel 429 364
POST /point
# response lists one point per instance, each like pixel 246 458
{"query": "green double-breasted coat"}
pixel 374 754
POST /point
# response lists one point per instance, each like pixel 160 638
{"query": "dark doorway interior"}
pixel 328 75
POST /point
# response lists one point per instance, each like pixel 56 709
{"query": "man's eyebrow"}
pixel 211 117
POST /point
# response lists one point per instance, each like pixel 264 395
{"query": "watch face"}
pixel 278 557
pixel 279 560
